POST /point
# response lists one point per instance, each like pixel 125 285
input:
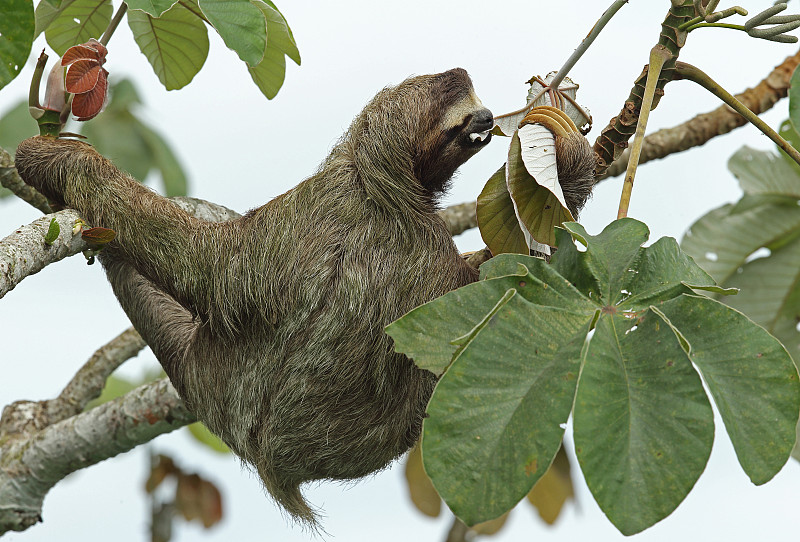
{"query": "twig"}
pixel 112 26
pixel 659 55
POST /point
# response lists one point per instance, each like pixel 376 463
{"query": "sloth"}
pixel 271 326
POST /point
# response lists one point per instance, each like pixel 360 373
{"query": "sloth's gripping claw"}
pixel 575 158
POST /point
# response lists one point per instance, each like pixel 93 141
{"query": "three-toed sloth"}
pixel 271 326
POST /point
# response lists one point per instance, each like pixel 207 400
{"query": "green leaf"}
pixel 539 209
pixel 172 174
pixel 643 424
pixel 115 134
pixel 52 232
pixel 427 333
pixel 764 172
pixel 794 100
pixel 76 22
pixel 788 133
pixel 721 241
pixel 241 26
pixel 751 378
pixel 494 428
pixel 154 8
pixel 15 125
pixel 270 73
pixel 115 387
pixel 175 44
pixel 17 25
pixel 497 220
pixel 201 433
pixel 279 35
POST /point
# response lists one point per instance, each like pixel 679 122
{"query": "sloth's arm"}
pixel 161 241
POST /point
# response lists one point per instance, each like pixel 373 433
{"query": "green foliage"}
pixel 794 102
pixel 270 72
pixel 52 232
pixel 16 37
pixel 517 353
pixel 175 44
pixel 131 144
pixel 241 26
pixel 172 35
pixel 155 8
pixel 76 22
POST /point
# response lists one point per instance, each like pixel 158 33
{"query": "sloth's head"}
pixel 415 135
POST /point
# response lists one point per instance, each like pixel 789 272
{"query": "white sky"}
pixel 241 150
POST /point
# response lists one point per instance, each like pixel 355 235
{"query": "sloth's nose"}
pixel 483 120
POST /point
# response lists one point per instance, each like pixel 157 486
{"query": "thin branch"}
pixel 659 55
pixel 31 464
pixel 460 218
pixel 89 381
pixel 112 26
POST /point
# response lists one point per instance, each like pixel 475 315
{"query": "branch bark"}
pixel 33 462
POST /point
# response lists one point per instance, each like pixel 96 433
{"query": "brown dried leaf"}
pixel 420 487
pixel 159 472
pixel 196 498
pixel 553 489
pixel 492 526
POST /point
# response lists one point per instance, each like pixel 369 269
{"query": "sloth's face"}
pixel 458 126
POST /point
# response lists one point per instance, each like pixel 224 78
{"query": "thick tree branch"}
pixel 9 178
pixel 24 252
pixel 32 461
pixel 460 218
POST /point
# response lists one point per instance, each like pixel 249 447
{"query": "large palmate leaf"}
pixel 175 44
pixel 515 352
pixel 76 22
pixel 16 37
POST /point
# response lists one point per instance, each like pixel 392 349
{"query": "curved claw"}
pixel 552 118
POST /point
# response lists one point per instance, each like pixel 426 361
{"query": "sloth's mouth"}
pixel 480 136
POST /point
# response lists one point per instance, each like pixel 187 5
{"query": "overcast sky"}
pixel 241 150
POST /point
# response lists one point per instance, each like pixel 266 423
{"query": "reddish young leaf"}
pixel 86 106
pixel 91 50
pixel 82 76
pixel 98 237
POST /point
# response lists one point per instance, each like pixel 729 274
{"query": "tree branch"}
pixel 702 128
pixel 32 461
pixel 10 179
pixel 89 381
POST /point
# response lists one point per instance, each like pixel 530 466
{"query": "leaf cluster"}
pixel 171 34
pixel 616 336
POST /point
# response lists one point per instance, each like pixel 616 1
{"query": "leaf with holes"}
pixel 76 23
pixel 512 345
pixel 175 44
